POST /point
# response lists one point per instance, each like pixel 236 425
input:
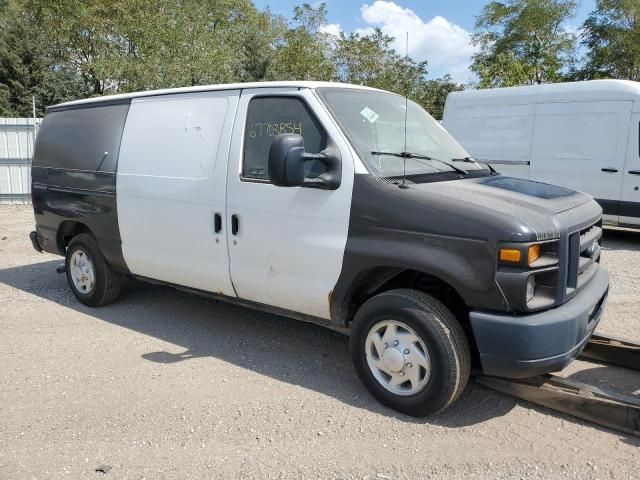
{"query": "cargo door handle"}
pixel 611 170
pixel 234 224
pixel 634 172
pixel 217 223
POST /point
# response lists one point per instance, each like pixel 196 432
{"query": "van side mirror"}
pixel 286 164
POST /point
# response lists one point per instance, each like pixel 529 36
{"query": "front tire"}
pixel 410 352
pixel 90 276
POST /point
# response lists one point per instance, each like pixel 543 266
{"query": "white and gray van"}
pixel 309 200
pixel 581 135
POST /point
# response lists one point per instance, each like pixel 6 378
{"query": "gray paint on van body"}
pixel 451 231
pixel 74 176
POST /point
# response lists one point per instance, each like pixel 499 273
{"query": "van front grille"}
pixel 584 257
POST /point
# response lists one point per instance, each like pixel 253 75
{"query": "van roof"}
pixel 206 88
pixel 591 90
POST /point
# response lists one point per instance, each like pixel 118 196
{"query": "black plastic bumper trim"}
pixel 34 241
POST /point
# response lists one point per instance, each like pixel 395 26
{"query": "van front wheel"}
pixel 90 276
pixel 410 352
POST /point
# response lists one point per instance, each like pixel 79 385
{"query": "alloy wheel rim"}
pixel 82 272
pixel 397 357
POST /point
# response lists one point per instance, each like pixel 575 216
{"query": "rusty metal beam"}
pixel 613 351
pixel 598 405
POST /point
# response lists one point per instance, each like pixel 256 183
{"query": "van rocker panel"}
pixel 520 346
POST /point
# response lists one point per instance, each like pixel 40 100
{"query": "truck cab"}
pixel 345 206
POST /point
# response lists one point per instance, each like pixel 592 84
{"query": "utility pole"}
pixel 35 120
pixel 35 125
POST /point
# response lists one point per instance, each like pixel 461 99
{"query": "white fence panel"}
pixel 17 138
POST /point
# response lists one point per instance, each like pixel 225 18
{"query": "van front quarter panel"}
pixel 404 229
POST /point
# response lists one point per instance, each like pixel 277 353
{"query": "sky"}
pixel 439 30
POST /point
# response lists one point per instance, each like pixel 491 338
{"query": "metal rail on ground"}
pixel 603 406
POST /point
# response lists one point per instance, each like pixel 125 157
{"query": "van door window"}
pixel 268 117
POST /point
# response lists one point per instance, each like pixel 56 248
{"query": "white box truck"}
pixel 580 135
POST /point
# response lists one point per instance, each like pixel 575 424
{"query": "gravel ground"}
pixel 163 384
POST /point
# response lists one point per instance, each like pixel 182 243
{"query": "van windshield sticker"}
pixel 369 114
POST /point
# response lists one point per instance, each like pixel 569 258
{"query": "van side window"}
pixel 77 138
pixel 268 117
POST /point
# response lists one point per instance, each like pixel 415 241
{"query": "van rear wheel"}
pixel 410 352
pixel 90 276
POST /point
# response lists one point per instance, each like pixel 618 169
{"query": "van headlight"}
pixel 528 255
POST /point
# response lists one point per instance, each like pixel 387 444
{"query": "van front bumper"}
pixel 520 346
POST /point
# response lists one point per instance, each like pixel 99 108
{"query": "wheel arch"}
pixel 375 280
pixel 67 230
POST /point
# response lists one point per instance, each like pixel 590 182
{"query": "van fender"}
pixel 393 229
pixel 371 261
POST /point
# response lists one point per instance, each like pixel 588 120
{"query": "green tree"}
pixel 262 34
pixel 27 67
pixel 80 36
pixel 125 45
pixel 303 53
pixel 523 42
pixel 363 59
pixel 611 35
pixel 372 61
pixel 59 50
pixel 434 94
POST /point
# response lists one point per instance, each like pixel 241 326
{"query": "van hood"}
pixel 509 195
pixel 506 208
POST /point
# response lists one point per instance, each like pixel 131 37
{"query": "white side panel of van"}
pixel 581 145
pixel 290 243
pixel 171 183
pixel 630 198
pixel 499 135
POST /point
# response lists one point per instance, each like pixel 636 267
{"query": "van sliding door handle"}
pixel 634 172
pixel 234 224
pixel 217 223
pixel 611 170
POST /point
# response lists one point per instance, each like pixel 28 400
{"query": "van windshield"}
pixel 375 122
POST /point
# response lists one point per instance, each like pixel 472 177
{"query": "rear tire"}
pixel 90 276
pixel 410 352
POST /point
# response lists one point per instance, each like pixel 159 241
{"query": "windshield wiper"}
pixel 474 161
pixel 417 156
